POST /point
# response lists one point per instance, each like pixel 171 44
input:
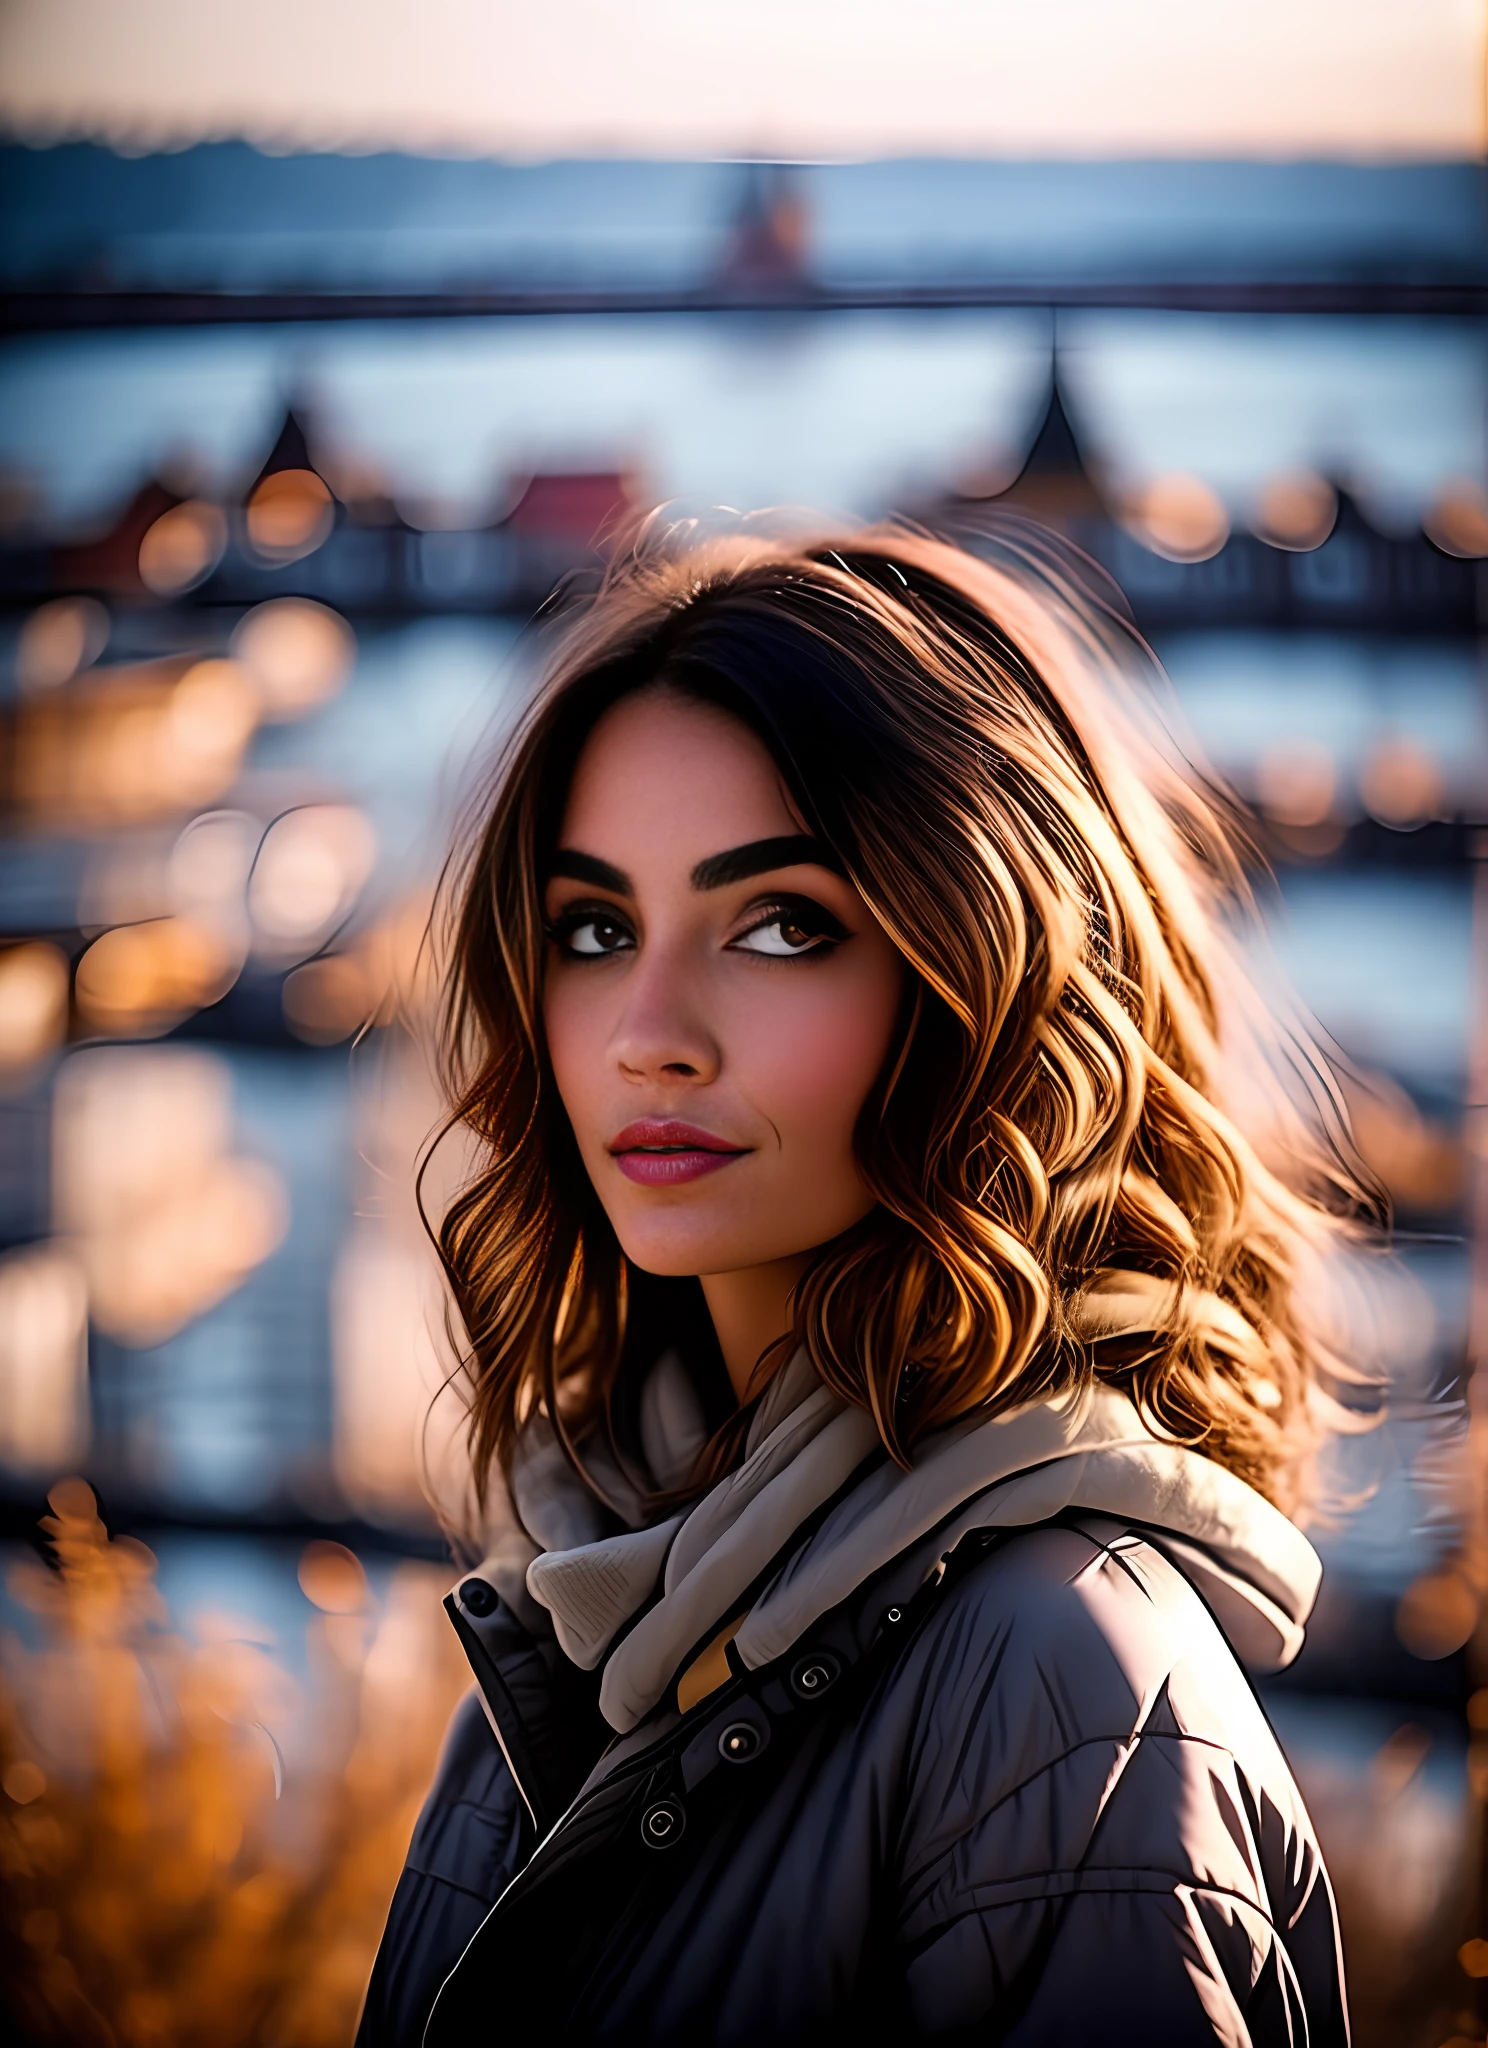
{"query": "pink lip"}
pixel 662 1153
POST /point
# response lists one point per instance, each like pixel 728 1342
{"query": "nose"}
pixel 662 1033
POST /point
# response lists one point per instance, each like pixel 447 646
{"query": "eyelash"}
pixel 816 923
pixel 562 928
pixel 814 920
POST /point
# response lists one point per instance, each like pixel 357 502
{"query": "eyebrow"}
pixel 738 864
pixel 742 863
pixel 574 866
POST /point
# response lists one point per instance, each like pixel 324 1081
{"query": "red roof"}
pixel 571 505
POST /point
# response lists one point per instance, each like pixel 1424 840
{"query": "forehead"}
pixel 662 779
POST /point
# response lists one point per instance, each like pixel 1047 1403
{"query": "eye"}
pixel 586 932
pixel 791 929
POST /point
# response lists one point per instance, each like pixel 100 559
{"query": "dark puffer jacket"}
pixel 1029 1799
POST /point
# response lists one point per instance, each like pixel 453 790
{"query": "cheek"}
pixel 813 1061
pixel 576 1032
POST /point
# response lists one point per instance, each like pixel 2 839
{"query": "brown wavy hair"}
pixel 1064 1190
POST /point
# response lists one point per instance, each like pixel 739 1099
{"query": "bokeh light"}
pixel 58 640
pixel 387 1308
pixel 1436 1615
pixel 1422 1163
pixel 211 718
pixel 182 548
pixel 298 652
pixel 44 1419
pixel 309 872
pixel 23 1781
pixel 289 515
pixel 332 1579
pixel 34 981
pixel 140 979
pixel 1296 783
pixel 1458 519
pixel 145 742
pixel 1180 517
pixel 207 873
pixel 164 1216
pixel 1296 510
pixel 1401 784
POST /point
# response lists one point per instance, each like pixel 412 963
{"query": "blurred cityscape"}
pixel 291 448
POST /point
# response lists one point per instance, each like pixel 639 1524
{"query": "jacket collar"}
pixel 568 1572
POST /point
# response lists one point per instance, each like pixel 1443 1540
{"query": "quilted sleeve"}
pixel 1100 1838
pixel 466 1848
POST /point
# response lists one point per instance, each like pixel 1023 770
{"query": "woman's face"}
pixel 718 1000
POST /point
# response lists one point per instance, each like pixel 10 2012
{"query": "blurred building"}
pixel 290 449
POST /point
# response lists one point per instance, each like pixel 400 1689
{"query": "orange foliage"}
pixel 168 1880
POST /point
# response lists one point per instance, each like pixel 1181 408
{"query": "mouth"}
pixel 662 1153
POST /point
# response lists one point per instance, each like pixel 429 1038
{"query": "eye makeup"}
pixel 803 928
pixel 590 931
pixel 780 928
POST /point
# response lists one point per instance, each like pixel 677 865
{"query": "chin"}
pixel 680 1232
pixel 670 1256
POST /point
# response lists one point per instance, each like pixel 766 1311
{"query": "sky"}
pixel 787 78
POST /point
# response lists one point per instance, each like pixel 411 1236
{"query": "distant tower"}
pixel 1056 484
pixel 290 451
pixel 766 249
pixel 290 509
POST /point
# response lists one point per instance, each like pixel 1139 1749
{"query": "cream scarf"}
pixel 1257 1571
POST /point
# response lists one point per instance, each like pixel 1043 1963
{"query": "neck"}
pixel 751 1309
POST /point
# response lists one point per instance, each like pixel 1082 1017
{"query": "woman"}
pixel 888 1352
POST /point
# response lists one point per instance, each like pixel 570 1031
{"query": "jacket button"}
pixel 662 1824
pixel 740 1742
pixel 477 1598
pixel 814 1674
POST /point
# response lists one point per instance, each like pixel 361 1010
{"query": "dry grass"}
pixel 167 1881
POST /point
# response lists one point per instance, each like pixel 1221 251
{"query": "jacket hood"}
pixel 677 1581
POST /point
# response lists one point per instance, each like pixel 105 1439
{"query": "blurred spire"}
pixel 291 450
pixel 1055 483
pixel 290 508
pixel 767 243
